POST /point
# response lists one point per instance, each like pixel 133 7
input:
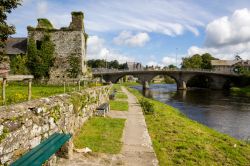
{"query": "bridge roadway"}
pixel 217 79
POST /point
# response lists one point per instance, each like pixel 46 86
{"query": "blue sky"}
pixel 149 31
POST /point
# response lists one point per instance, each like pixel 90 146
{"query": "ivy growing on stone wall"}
pixel 41 60
pixel 74 66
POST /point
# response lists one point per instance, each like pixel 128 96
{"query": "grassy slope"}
pixel 101 135
pixel 118 105
pixel 18 93
pixel 241 91
pixel 179 140
pixel 121 95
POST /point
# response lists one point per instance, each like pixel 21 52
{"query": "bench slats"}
pixel 34 150
pixel 39 161
pixel 45 149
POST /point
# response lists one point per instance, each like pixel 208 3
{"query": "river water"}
pixel 220 110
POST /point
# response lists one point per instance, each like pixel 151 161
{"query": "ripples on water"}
pixel 220 110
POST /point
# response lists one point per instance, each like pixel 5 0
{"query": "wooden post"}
pixel 29 89
pixel 3 90
pixel 64 86
pixel 79 85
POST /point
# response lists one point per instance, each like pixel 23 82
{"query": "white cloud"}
pixel 42 7
pixel 127 38
pixel 170 61
pixel 97 50
pixel 171 18
pixel 227 36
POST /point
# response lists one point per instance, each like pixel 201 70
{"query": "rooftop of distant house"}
pixel 15 46
pixel 229 62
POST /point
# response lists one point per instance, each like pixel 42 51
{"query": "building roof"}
pixel 224 62
pixel 15 46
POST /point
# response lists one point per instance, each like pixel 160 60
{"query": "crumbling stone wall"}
pixel 68 41
pixel 25 125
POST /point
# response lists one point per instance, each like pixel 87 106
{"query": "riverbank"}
pixel 241 91
pixel 179 140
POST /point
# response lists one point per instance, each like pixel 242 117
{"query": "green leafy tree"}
pixel 193 62
pixel 40 60
pixel 206 61
pixel 18 64
pixel 198 61
pixel 172 66
pixel 114 64
pixel 5 30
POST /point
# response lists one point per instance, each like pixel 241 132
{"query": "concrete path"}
pixel 137 146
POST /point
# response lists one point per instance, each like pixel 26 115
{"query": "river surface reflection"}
pixel 227 113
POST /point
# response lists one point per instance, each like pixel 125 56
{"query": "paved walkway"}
pixel 137 146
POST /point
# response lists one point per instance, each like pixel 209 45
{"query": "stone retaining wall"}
pixel 25 125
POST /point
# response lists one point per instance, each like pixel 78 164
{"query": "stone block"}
pixel 5 158
pixel 1 129
pixel 45 128
pixel 35 141
pixel 35 131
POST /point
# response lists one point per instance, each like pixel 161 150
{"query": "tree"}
pixel 5 30
pixel 206 61
pixel 18 64
pixel 198 61
pixel 114 64
pixel 193 62
pixel 172 66
pixel 237 57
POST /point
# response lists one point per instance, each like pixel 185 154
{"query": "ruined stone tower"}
pixel 68 41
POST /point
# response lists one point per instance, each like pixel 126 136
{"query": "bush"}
pixel 147 107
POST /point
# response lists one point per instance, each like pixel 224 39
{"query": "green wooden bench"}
pixel 42 152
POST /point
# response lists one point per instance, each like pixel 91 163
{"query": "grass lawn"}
pixel 241 91
pixel 121 95
pixel 178 140
pixel 119 105
pixel 101 135
pixel 116 87
pixel 18 93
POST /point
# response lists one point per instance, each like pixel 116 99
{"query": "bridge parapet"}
pixel 110 71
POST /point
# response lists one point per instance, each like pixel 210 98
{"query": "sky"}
pixel 152 32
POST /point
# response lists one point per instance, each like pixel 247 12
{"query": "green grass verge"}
pixel 178 140
pixel 121 95
pixel 101 135
pixel 241 91
pixel 118 105
pixel 116 87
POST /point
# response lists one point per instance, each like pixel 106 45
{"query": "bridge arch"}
pixel 200 81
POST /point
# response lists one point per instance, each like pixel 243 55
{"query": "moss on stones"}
pixel 4 134
pixel 76 13
pixel 55 113
pixel 44 23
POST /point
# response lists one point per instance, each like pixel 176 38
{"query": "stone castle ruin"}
pixel 69 43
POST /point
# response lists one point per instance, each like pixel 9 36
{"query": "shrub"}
pixel 147 107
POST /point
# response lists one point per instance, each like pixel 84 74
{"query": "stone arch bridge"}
pixel 217 79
